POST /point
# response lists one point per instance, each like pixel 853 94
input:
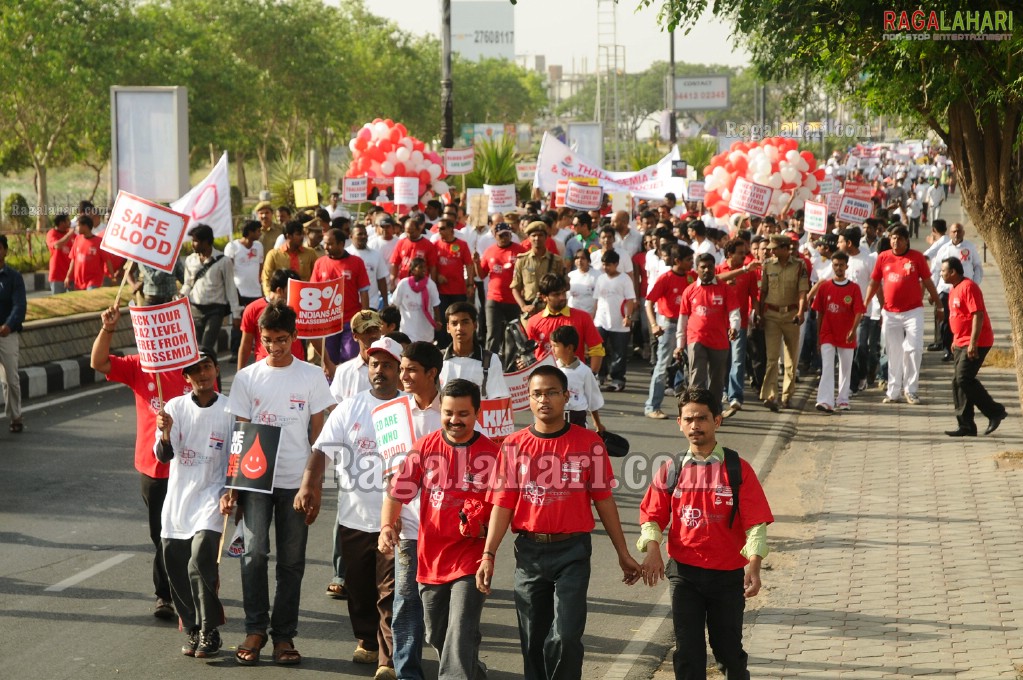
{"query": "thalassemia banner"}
pixel 144 232
pixel 318 306
pixel 496 418
pixel 165 336
pixel 252 463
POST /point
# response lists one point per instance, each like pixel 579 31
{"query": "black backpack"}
pixel 733 469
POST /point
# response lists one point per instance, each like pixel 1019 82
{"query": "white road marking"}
pixel 88 573
pixel 71 397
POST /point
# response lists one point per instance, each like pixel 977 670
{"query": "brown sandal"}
pixel 250 649
pixel 17 427
pixel 285 654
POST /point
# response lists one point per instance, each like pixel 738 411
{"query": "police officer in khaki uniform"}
pixel 783 288
pixel 533 265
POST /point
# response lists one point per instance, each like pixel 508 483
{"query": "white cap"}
pixel 388 346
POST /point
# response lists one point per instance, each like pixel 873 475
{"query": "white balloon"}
pixel 440 186
pixel 726 195
pixel 810 183
pixel 402 153
pixel 407 143
pixel 391 156
pixel 797 203
pixel 735 155
pixel 711 183
pixel 761 177
pixel 771 152
pixel 775 181
pixel 387 167
pixel 417 158
pixel 434 171
pixel 792 155
pixel 802 165
pixel 380 130
pixel 789 175
pixel 351 145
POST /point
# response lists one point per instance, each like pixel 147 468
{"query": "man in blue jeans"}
pixel 288 393
pixel 666 294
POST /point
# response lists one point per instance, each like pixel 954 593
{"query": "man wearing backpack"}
pixel 712 505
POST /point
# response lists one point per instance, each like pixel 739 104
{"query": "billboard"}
pixel 701 93
pixel 483 30
pixel 149 137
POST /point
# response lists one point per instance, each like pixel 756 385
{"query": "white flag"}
pixel 209 201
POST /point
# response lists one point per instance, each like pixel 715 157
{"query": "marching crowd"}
pixel 439 308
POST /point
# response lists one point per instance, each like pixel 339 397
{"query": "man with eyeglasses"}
pixel 553 543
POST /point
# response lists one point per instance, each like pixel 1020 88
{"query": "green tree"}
pixel 970 94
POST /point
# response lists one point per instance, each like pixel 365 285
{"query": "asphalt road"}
pixel 75 583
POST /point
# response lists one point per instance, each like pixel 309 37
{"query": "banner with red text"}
pixel 815 217
pixel 583 196
pixel 319 306
pixel 395 434
pixel 496 418
pixel 459 161
pixel 750 197
pixel 144 232
pixel 354 189
pixel 165 336
pixel 854 210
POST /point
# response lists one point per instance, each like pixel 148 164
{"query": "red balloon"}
pixel 364 134
pixel 819 174
pixel 735 146
pixel 376 120
pixel 418 145
pixel 720 210
pixel 707 171
pixel 424 180
pixel 712 198
pixel 741 165
pixel 810 160
pixel 399 169
pixel 385 145
pixel 394 135
pixel 375 153
pixel 389 123
pixel 360 143
pixel 401 128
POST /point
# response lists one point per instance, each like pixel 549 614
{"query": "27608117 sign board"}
pixel 252 462
pixel 854 210
pixel 750 197
pixel 319 307
pixel 165 336
pixel 144 232
pixel 815 217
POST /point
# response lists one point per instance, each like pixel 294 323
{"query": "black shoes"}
pixel 935 347
pixel 961 432
pixel 993 423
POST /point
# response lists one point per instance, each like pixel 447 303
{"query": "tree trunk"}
pixel 42 223
pixel 239 166
pixel 264 171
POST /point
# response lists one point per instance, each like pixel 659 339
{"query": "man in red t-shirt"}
pixel 553 289
pixel 898 273
pixel 408 249
pixel 498 262
pixel 715 547
pixel 89 263
pixel 450 472
pixel 662 305
pixel 839 307
pixel 739 271
pixel 340 264
pixel 128 370
pixel 59 241
pixel 553 518
pixel 708 320
pixel 250 320
pixel 972 339
pixel 455 272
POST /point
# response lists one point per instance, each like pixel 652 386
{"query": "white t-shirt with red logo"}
pixel 286 398
pixel 900 277
pixel 444 476
pixel 550 481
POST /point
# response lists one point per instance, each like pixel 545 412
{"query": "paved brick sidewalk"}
pixel 913 563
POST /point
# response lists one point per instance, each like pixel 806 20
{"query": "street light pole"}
pixel 447 133
pixel 672 133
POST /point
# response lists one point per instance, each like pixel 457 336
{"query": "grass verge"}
pixel 75 302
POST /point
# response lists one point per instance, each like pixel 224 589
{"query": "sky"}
pixel 570 32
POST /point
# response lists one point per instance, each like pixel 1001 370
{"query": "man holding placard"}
pixel 148 400
pixel 291 394
pixel 349 442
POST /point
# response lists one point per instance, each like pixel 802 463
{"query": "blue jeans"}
pixel 407 627
pixel 551 580
pixel 665 348
pixel 290 532
pixel 737 373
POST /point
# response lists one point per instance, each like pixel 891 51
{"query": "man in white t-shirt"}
pixel 376 268
pixel 348 441
pixel 384 241
pixel 334 210
pixel 466 357
pixel 290 394
pixel 246 254
pixel 616 302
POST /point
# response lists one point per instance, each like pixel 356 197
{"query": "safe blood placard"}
pixel 749 197
pixel 253 460
pixel 319 307
pixel 145 232
pixel 502 197
pixel 406 191
pixel 165 336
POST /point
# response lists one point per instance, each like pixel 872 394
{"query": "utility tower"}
pixel 610 92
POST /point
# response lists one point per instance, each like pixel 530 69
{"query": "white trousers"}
pixel 826 388
pixel 9 375
pixel 904 338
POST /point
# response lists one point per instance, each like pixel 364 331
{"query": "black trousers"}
pixel 499 315
pixel 943 327
pixel 968 392
pixel 208 320
pixel 713 600
pixel 756 357
pixel 194 575
pixel 153 493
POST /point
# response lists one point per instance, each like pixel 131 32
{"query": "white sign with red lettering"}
pixel 815 217
pixel 750 197
pixel 354 189
pixel 496 418
pixel 695 191
pixel 858 190
pixel 406 191
pixel 392 425
pixel 833 201
pixel 583 196
pixel 854 210
pixel 319 307
pixel 145 232
pixel 165 336
pixel 502 197
pixel 826 186
pixel 525 172
pixel 459 161
pixel 518 383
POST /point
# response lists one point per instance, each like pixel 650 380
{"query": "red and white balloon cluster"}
pixel 384 149
pixel 775 162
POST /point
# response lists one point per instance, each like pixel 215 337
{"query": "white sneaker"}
pixel 843 407
pixel 912 399
pixel 891 400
